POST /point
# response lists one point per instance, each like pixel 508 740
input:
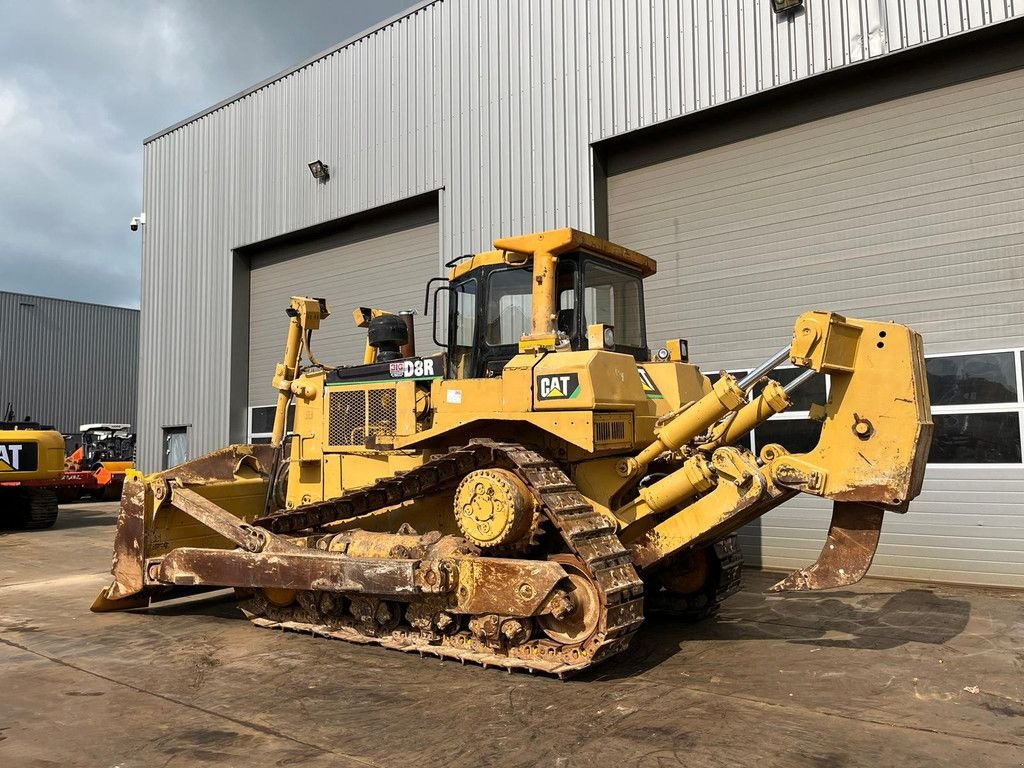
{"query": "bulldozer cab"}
pixel 582 296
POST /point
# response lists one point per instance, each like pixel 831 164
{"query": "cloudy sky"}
pixel 83 82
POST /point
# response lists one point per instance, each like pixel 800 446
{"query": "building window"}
pixel 796 434
pixel 976 438
pixel 792 429
pixel 175 446
pixel 261 422
pixel 973 379
pixel 977 405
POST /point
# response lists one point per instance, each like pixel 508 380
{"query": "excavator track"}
pixel 593 551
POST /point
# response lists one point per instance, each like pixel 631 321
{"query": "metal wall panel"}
pixel 494 103
pixel 383 266
pixel 907 210
pixel 68 363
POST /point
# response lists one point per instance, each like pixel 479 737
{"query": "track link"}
pixel 441 471
pixel 724 581
pixel 586 534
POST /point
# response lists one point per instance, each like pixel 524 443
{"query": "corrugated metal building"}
pixel 859 155
pixel 68 363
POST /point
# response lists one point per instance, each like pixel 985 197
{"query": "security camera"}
pixel 136 221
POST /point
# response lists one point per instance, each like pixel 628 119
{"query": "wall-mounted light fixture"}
pixel 320 171
pixel 781 6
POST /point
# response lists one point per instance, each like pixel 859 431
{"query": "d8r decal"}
pixel 415 368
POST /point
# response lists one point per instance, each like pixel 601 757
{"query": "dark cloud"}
pixel 82 83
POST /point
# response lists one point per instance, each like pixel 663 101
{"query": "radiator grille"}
pixel 348 418
pixel 612 430
pixel 607 431
pixel 382 416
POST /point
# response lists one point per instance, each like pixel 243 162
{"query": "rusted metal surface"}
pixel 491 637
pixel 358 543
pixel 133 540
pixel 576 613
pixel 442 596
pixel 220 466
pixel 505 586
pixel 310 570
pixel 848 551
pixel 129 545
pixel 480 585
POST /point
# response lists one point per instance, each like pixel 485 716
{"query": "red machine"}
pixel 97 467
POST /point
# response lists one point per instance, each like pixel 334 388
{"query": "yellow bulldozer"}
pixel 521 499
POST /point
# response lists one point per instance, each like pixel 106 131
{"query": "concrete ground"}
pixel 883 674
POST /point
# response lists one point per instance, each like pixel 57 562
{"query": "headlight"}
pixel 609 339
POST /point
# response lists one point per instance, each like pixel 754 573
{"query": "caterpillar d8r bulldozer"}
pixel 522 498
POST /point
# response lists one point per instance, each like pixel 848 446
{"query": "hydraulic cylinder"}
pixel 695 476
pixel 774 398
pixel 725 396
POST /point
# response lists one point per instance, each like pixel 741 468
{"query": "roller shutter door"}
pixel 908 210
pixel 384 264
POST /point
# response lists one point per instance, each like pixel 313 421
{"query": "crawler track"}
pixel 588 542
pixel 724 581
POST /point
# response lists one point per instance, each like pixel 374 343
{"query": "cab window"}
pixel 510 299
pixel 613 297
pixel 508 306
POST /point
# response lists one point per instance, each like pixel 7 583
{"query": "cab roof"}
pixel 519 251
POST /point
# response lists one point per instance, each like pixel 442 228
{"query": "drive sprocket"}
pixel 493 507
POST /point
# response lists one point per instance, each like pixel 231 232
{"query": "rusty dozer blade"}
pixel 847 554
pixel 193 505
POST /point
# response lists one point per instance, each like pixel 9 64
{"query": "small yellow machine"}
pixel 522 498
pixel 31 461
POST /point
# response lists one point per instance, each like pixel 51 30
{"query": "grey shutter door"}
pixel 380 267
pixel 909 210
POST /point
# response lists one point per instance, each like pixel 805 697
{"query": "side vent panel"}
pixel 613 430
